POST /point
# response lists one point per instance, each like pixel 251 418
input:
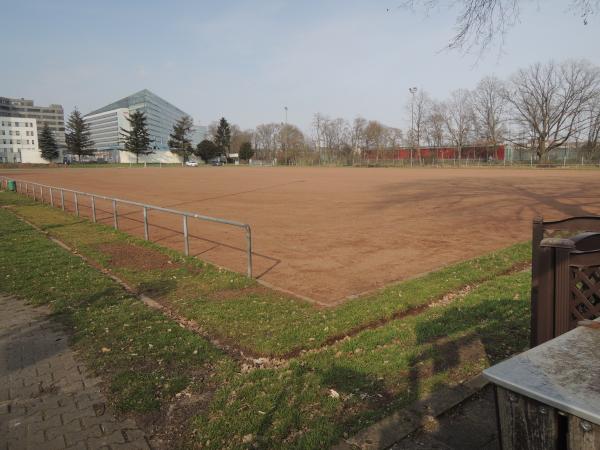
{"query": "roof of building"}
pixel 133 99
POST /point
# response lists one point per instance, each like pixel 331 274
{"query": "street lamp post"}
pixel 413 91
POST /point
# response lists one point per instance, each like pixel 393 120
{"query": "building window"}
pixel 32 142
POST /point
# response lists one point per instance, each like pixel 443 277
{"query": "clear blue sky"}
pixel 247 60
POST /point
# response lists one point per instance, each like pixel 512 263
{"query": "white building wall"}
pixel 19 141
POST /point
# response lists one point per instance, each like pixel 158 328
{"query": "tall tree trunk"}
pixel 542 150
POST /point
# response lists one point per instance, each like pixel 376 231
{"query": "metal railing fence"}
pixel 36 191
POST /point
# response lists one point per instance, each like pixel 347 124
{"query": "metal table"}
pixel 549 396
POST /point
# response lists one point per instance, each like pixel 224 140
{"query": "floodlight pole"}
pixel 413 91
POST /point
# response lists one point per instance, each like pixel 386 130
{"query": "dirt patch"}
pixel 127 256
pixel 170 427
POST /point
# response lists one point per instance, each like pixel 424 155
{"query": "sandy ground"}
pixel 327 233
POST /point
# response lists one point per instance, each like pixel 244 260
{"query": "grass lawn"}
pixel 331 388
pixel 146 357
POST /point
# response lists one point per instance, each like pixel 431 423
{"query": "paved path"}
pixel 47 399
pixel 469 426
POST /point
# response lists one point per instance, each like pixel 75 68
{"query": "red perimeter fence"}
pixel 485 153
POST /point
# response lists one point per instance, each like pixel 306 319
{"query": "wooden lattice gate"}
pixel 565 285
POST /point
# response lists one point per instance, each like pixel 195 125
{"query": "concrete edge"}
pixel 397 426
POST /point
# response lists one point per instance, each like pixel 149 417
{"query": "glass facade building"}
pixel 160 118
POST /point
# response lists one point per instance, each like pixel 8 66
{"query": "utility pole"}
pixel 413 91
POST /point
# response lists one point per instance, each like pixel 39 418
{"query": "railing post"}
pixel 249 244
pixel 42 193
pixel 76 204
pixel 51 197
pixel 62 199
pixel 537 236
pixel 551 311
pixel 93 209
pixel 186 240
pixel 34 194
pixel 542 312
pixel 115 218
pixel 146 223
pixel 562 312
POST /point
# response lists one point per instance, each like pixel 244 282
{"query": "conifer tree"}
pixel 246 151
pixel 222 137
pixel 180 142
pixel 137 140
pixel 206 150
pixel 47 144
pixel 78 137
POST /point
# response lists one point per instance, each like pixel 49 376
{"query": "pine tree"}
pixel 246 151
pixel 137 140
pixel 222 137
pixel 48 145
pixel 77 137
pixel 206 150
pixel 180 142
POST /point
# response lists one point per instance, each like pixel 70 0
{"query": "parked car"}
pixel 191 164
pixel 216 162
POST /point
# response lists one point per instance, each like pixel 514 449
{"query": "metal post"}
pixel 146 223
pixel 116 220
pixel 51 197
pixel 186 241
pixel 76 204
pixel 42 194
pixel 93 209
pixel 34 194
pixel 249 242
pixel 62 199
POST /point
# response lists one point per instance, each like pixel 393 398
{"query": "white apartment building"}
pixel 19 140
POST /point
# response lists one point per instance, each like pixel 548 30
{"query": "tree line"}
pixel 225 139
pixel 539 108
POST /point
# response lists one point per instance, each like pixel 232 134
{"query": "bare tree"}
pixel 265 140
pixel 291 143
pixel 481 23
pixel 318 125
pixel 238 137
pixel 489 104
pixel 591 146
pixel 418 108
pixel 335 135
pixel 549 101
pixel 435 127
pixel 358 135
pixel 458 118
pixel 375 137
